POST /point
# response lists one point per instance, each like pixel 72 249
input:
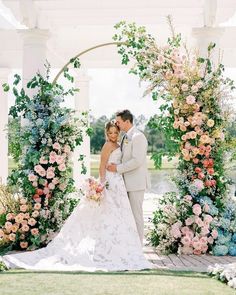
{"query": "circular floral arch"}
pixel 192 120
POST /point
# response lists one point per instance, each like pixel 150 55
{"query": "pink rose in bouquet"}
pixel 94 189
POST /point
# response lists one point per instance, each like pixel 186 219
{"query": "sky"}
pixel 115 89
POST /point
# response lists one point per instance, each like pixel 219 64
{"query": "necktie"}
pixel 122 141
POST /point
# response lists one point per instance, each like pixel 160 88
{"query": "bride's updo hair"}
pixel 110 124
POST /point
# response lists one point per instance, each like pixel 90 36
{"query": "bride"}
pixel 96 236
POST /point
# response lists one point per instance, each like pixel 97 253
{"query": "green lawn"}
pixel 158 282
pixel 165 164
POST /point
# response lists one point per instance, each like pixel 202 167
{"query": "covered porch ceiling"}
pixel 75 25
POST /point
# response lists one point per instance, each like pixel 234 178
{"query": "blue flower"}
pixel 220 250
pixel 232 249
pixel 234 238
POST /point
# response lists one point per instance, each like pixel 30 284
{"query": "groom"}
pixel 133 167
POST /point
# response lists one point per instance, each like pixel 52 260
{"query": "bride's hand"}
pixel 111 167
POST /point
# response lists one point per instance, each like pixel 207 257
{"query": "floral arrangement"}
pixel 94 189
pixel 225 244
pixel 187 228
pixel 42 137
pixel 193 92
pixel 3 267
pixel 225 273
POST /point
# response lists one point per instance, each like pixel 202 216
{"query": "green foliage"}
pixel 42 135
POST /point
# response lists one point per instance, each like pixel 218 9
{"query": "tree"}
pixel 98 136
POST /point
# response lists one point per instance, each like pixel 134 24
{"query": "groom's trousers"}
pixel 136 202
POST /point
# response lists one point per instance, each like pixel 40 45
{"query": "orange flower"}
pixel 24 245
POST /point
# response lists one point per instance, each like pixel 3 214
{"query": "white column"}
pixel 4 72
pixel 82 104
pixel 34 53
pixel 206 35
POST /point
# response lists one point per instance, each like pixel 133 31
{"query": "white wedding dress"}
pixel 95 237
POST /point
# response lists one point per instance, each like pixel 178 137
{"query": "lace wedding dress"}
pixel 95 237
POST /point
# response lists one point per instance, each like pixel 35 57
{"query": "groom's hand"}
pixel 111 167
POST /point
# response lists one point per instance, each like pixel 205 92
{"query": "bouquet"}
pixel 94 189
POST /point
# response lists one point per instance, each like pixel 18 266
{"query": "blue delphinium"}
pixel 232 249
pixel 226 231
pixel 234 238
pixel 220 250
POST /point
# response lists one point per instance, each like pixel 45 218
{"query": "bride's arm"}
pixel 105 153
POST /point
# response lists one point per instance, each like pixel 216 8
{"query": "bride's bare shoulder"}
pixel 107 147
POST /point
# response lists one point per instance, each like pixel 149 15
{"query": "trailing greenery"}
pixel 193 120
pixel 42 136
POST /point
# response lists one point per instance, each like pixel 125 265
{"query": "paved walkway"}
pixel 198 263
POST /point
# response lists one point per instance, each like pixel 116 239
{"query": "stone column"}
pixel 204 36
pixel 4 72
pixel 82 104
pixel 34 53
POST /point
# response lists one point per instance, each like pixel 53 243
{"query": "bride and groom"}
pixel 108 237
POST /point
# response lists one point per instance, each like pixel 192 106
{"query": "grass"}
pixel 165 164
pixel 159 282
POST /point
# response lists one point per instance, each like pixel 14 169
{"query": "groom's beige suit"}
pixel 133 167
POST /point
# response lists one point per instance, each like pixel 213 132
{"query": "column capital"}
pixel 208 32
pixel 34 36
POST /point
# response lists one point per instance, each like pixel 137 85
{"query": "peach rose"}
pixel 23 245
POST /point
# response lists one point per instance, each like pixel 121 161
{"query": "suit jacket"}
pixel 133 162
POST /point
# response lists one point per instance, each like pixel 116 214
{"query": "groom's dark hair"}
pixel 125 115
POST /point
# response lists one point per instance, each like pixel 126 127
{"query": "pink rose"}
pixel 197 209
pixel 23 208
pixel 51 186
pixel 32 177
pixel 56 146
pixel 62 167
pixel 194 88
pixel 62 186
pixel 190 99
pixel 34 231
pixel 199 84
pixel 32 221
pixel 37 206
pixel 205 231
pixel 25 228
pixel 188 198
pixel 60 159
pixel 208 218
pixel 67 149
pixel 214 234
pixel 55 181
pixel 185 230
pixel 187 250
pixel 24 245
pixel 186 241
pixel 198 221
pixel 46 190
pixel 189 221
pixel 35 214
pixel 184 87
pixel 50 174
pixel 210 240
pixel 42 160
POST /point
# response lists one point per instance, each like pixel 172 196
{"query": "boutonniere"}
pixel 126 141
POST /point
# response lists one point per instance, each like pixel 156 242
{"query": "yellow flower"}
pixel 210 123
